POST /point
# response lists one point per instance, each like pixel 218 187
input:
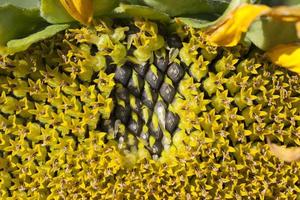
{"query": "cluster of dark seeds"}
pixel 143 91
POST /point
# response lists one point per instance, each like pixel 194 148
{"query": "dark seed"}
pixel 136 88
pixel 122 93
pixel 146 116
pixel 141 69
pixel 162 29
pixel 106 125
pixel 144 136
pixel 157 148
pixel 93 50
pixel 130 51
pixel 149 101
pixel 171 121
pixel 119 132
pixel 175 72
pixel 161 63
pixel 121 140
pixel 137 107
pixel 122 113
pixel 111 67
pixel 132 30
pixel 123 74
pixel 135 126
pixel 160 107
pixel 153 79
pixel 157 133
pixel 174 41
pixel 167 92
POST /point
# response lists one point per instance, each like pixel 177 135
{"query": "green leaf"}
pixel 201 22
pixel 188 7
pixel 266 33
pixel 140 11
pixel 280 2
pixel 27 4
pixel 18 45
pixel 54 12
pixel 18 22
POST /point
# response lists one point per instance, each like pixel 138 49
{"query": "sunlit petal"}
pixel 283 153
pixel 229 31
pixel 286 55
pixel 81 10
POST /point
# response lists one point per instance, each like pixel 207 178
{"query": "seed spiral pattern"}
pixel 128 110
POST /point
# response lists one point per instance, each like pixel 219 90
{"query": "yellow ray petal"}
pixel 230 30
pixel 80 10
pixel 283 153
pixel 286 55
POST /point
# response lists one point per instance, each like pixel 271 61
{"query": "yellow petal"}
pixel 286 55
pixel 81 10
pixel 229 31
pixel 285 154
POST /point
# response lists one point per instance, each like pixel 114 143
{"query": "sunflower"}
pixel 149 99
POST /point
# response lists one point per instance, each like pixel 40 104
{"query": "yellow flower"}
pixel 228 32
pixel 81 10
pixel 286 55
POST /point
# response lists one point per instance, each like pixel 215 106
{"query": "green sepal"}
pixel 125 10
pixel 266 33
pixel 18 22
pixel 18 45
pixel 25 4
pixel 188 7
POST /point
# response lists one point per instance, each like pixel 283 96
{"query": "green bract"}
pixel 261 33
pixel 186 8
pixel 28 4
pixel 19 19
pixel 54 12
pixel 22 44
pixel 140 11
pixel 17 22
